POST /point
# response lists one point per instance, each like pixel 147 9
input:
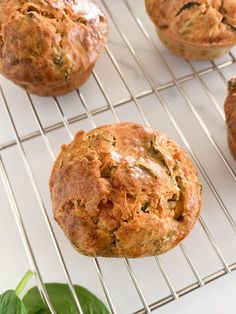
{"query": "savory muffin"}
pixel 195 30
pixel 124 190
pixel 230 113
pixel 49 47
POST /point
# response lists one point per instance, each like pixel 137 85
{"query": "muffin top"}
pixel 206 22
pixel 48 41
pixel 124 190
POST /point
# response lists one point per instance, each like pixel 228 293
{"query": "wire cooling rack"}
pixel 136 79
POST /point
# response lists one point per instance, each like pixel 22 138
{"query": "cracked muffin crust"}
pixel 49 47
pixel 124 190
pixel 230 113
pixel 195 30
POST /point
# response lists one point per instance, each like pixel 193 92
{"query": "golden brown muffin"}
pixel 195 30
pixel 230 113
pixel 49 47
pixel 124 190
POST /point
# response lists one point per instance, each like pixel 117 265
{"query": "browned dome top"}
pixel 124 190
pixel 206 22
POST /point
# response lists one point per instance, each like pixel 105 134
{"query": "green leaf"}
pixel 62 300
pixel 11 304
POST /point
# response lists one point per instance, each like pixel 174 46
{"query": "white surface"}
pixel 13 261
pixel 218 297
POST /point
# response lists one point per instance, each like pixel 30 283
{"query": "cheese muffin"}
pixel 124 190
pixel 49 47
pixel 195 30
pixel 230 113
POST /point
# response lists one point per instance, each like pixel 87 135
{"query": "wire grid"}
pixel 133 106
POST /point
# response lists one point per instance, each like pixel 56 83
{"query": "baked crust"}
pixel 124 190
pixel 196 30
pixel 49 47
pixel 230 114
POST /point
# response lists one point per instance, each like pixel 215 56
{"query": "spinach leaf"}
pixel 62 300
pixel 10 303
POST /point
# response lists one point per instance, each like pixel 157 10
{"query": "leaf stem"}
pixel 23 282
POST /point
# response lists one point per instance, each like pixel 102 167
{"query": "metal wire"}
pixel 193 268
pixel 24 237
pixel 66 123
pixel 136 284
pixel 182 136
pixel 205 88
pixel 96 111
pixel 57 248
pixel 166 277
pixel 49 147
pixel 42 206
pixel 194 111
pixel 186 290
pixel 146 122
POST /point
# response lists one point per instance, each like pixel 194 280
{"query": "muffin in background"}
pixel 195 30
pixel 124 190
pixel 230 113
pixel 50 47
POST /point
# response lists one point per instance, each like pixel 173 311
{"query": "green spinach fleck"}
pixel 188 5
pixel 58 61
pixel 145 205
pixel 156 153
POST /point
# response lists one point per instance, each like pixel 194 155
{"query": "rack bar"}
pixel 187 100
pixel 48 145
pixel 98 268
pixel 148 124
pixel 120 103
pixel 214 245
pixel 136 284
pixel 24 237
pixel 166 277
pixel 41 203
pixel 105 96
pixel 172 119
pixel 104 285
pixel 56 245
pixel 41 129
pixel 138 289
pixel 205 88
pixel 218 70
pixel 193 268
pixel 145 120
pixel 65 123
pixel 88 113
pixel 186 290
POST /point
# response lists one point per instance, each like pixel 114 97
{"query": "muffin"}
pixel 124 190
pixel 230 113
pixel 50 47
pixel 195 30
